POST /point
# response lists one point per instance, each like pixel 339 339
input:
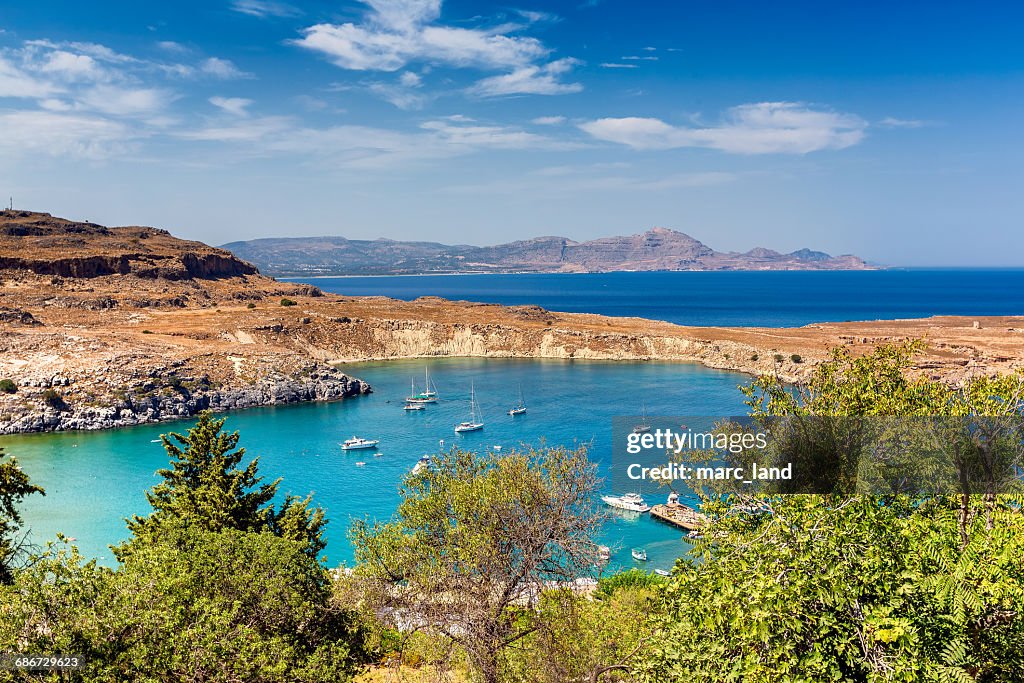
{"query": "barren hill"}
pixel 656 249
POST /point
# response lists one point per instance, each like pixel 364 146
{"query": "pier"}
pixel 678 516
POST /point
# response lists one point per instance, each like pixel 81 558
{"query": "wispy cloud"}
pixel 616 65
pixel 548 120
pixel 891 122
pixel 542 79
pixel 235 106
pixel 762 128
pixel 222 68
pixel 265 8
pixel 640 58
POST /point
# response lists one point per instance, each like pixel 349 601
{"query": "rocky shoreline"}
pixel 170 400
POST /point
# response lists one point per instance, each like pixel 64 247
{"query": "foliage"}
pixel 796 358
pixel 580 639
pixel 14 486
pixel 853 587
pixel 207 488
pixel 194 605
pixel 53 399
pixel 288 302
pixel 7 386
pixel 474 541
pixel 631 578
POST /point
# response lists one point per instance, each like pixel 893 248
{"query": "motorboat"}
pixel 358 443
pixel 633 502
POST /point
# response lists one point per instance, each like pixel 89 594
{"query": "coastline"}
pixel 129 365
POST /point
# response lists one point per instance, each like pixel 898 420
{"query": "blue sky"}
pixel 890 130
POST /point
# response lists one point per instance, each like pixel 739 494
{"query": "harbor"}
pixel 678 515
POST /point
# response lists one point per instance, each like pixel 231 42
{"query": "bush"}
pixel 796 358
pixel 250 305
pixel 754 357
pixel 7 386
pixel 288 302
pixel 147 332
pixel 53 399
pixel 779 358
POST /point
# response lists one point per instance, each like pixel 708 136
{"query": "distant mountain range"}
pixel 656 249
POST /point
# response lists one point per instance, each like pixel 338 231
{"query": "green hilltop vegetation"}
pixel 472 579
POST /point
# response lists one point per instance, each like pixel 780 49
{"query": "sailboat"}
pixel 425 396
pixel 473 424
pixel 644 426
pixel 520 407
pixel 411 404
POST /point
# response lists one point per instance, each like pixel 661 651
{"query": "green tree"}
pixel 475 541
pixel 207 487
pixel 855 587
pixel 14 486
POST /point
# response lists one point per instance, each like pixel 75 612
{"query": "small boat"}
pixel 632 502
pixel 604 553
pixel 360 464
pixel 421 464
pixel 413 406
pixel 357 443
pixel 662 572
pixel 473 424
pixel 520 407
pixel 639 554
pixel 644 426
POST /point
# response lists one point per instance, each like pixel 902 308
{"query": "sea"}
pixel 740 299
pixel 94 480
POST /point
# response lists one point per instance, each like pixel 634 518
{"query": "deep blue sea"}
pixel 746 299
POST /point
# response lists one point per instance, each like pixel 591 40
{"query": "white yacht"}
pixel 358 443
pixel 473 424
pixel 644 426
pixel 428 395
pixel 639 554
pixel 413 406
pixel 520 407
pixel 632 502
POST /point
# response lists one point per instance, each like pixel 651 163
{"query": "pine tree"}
pixel 208 487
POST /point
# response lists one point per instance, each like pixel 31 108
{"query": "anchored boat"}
pixel 358 443
pixel 473 424
pixel 633 502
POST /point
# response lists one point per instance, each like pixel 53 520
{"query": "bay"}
pixel 93 480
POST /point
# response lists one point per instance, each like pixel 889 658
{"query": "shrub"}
pixel 250 305
pixel 288 302
pixel 753 357
pixel 147 332
pixel 7 386
pixel 796 358
pixel 52 398
pixel 779 358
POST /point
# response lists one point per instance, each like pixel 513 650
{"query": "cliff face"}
pixel 656 249
pixel 40 244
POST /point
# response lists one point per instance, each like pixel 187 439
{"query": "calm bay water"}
pixel 95 479
pixel 745 299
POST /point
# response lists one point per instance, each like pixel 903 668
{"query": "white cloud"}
pixel 891 122
pixel 120 101
pixel 395 33
pixel 530 80
pixel 548 120
pixel 615 65
pixel 639 58
pixel 14 82
pixel 265 8
pixel 62 135
pixel 71 66
pixel 171 46
pixel 232 105
pixel 399 95
pixel 222 68
pixel 762 128
pixel 410 79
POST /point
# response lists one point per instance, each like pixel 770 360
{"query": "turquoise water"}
pixel 741 299
pixel 93 480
